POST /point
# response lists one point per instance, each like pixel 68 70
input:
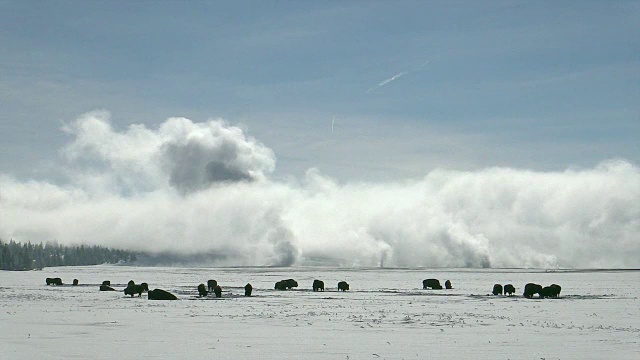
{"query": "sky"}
pixel 325 115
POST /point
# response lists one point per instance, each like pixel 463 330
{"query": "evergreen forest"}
pixel 28 256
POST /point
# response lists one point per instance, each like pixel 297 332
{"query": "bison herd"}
pixel 203 291
pixel 551 291
pixel 530 289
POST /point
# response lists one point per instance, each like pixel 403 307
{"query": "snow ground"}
pixel 385 315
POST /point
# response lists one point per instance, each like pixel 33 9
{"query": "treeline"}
pixel 19 256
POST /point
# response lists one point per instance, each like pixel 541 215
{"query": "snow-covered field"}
pixel 385 315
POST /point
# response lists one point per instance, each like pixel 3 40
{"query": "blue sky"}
pixel 534 85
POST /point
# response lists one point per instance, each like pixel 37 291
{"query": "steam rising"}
pixel 194 188
pixel 190 156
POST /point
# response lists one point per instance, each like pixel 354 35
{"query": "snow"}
pixel 385 315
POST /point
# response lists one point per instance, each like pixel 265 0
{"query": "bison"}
pixel 218 291
pixel 550 291
pixel 211 284
pixel 286 284
pixel 291 283
pixel 556 289
pixel 531 289
pixel 106 283
pixel 106 288
pixel 54 281
pixel 343 286
pixel 447 285
pixel 133 289
pixel 431 283
pixel 248 289
pixel 75 282
pixel 318 285
pixel 497 289
pixel 159 294
pixel 509 289
pixel 202 290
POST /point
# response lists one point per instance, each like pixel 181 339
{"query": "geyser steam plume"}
pixel 191 188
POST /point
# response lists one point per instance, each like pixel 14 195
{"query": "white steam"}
pixel 204 187
pixel 188 156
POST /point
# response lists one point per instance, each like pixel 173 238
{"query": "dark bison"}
pixel 54 281
pixel 286 284
pixel 550 291
pixel 75 282
pixel 133 289
pixel 248 289
pixel 280 285
pixel 202 290
pixel 211 284
pixel 431 283
pixel 531 289
pixel 106 283
pixel 318 285
pixel 291 283
pixel 447 285
pixel 497 289
pixel 343 286
pixel 106 288
pixel 159 294
pixel 218 291
pixel 509 289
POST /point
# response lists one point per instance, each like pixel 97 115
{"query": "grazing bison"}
pixel 202 290
pixel 431 283
pixel 280 285
pixel 318 285
pixel 159 294
pixel 218 291
pixel 286 284
pixel 546 291
pixel 447 285
pixel 106 283
pixel 291 283
pixel 132 289
pixel 550 291
pixel 248 289
pixel 531 289
pixel 343 286
pixel 54 281
pixel 106 288
pixel 497 289
pixel 509 289
pixel 211 284
pixel 75 282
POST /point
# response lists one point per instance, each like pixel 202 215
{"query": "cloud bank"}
pixel 204 188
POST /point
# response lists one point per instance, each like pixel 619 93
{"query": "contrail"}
pixel 333 121
pixel 385 82
pixel 400 74
pixel 428 61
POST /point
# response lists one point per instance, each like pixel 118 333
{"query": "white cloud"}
pixel 155 189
